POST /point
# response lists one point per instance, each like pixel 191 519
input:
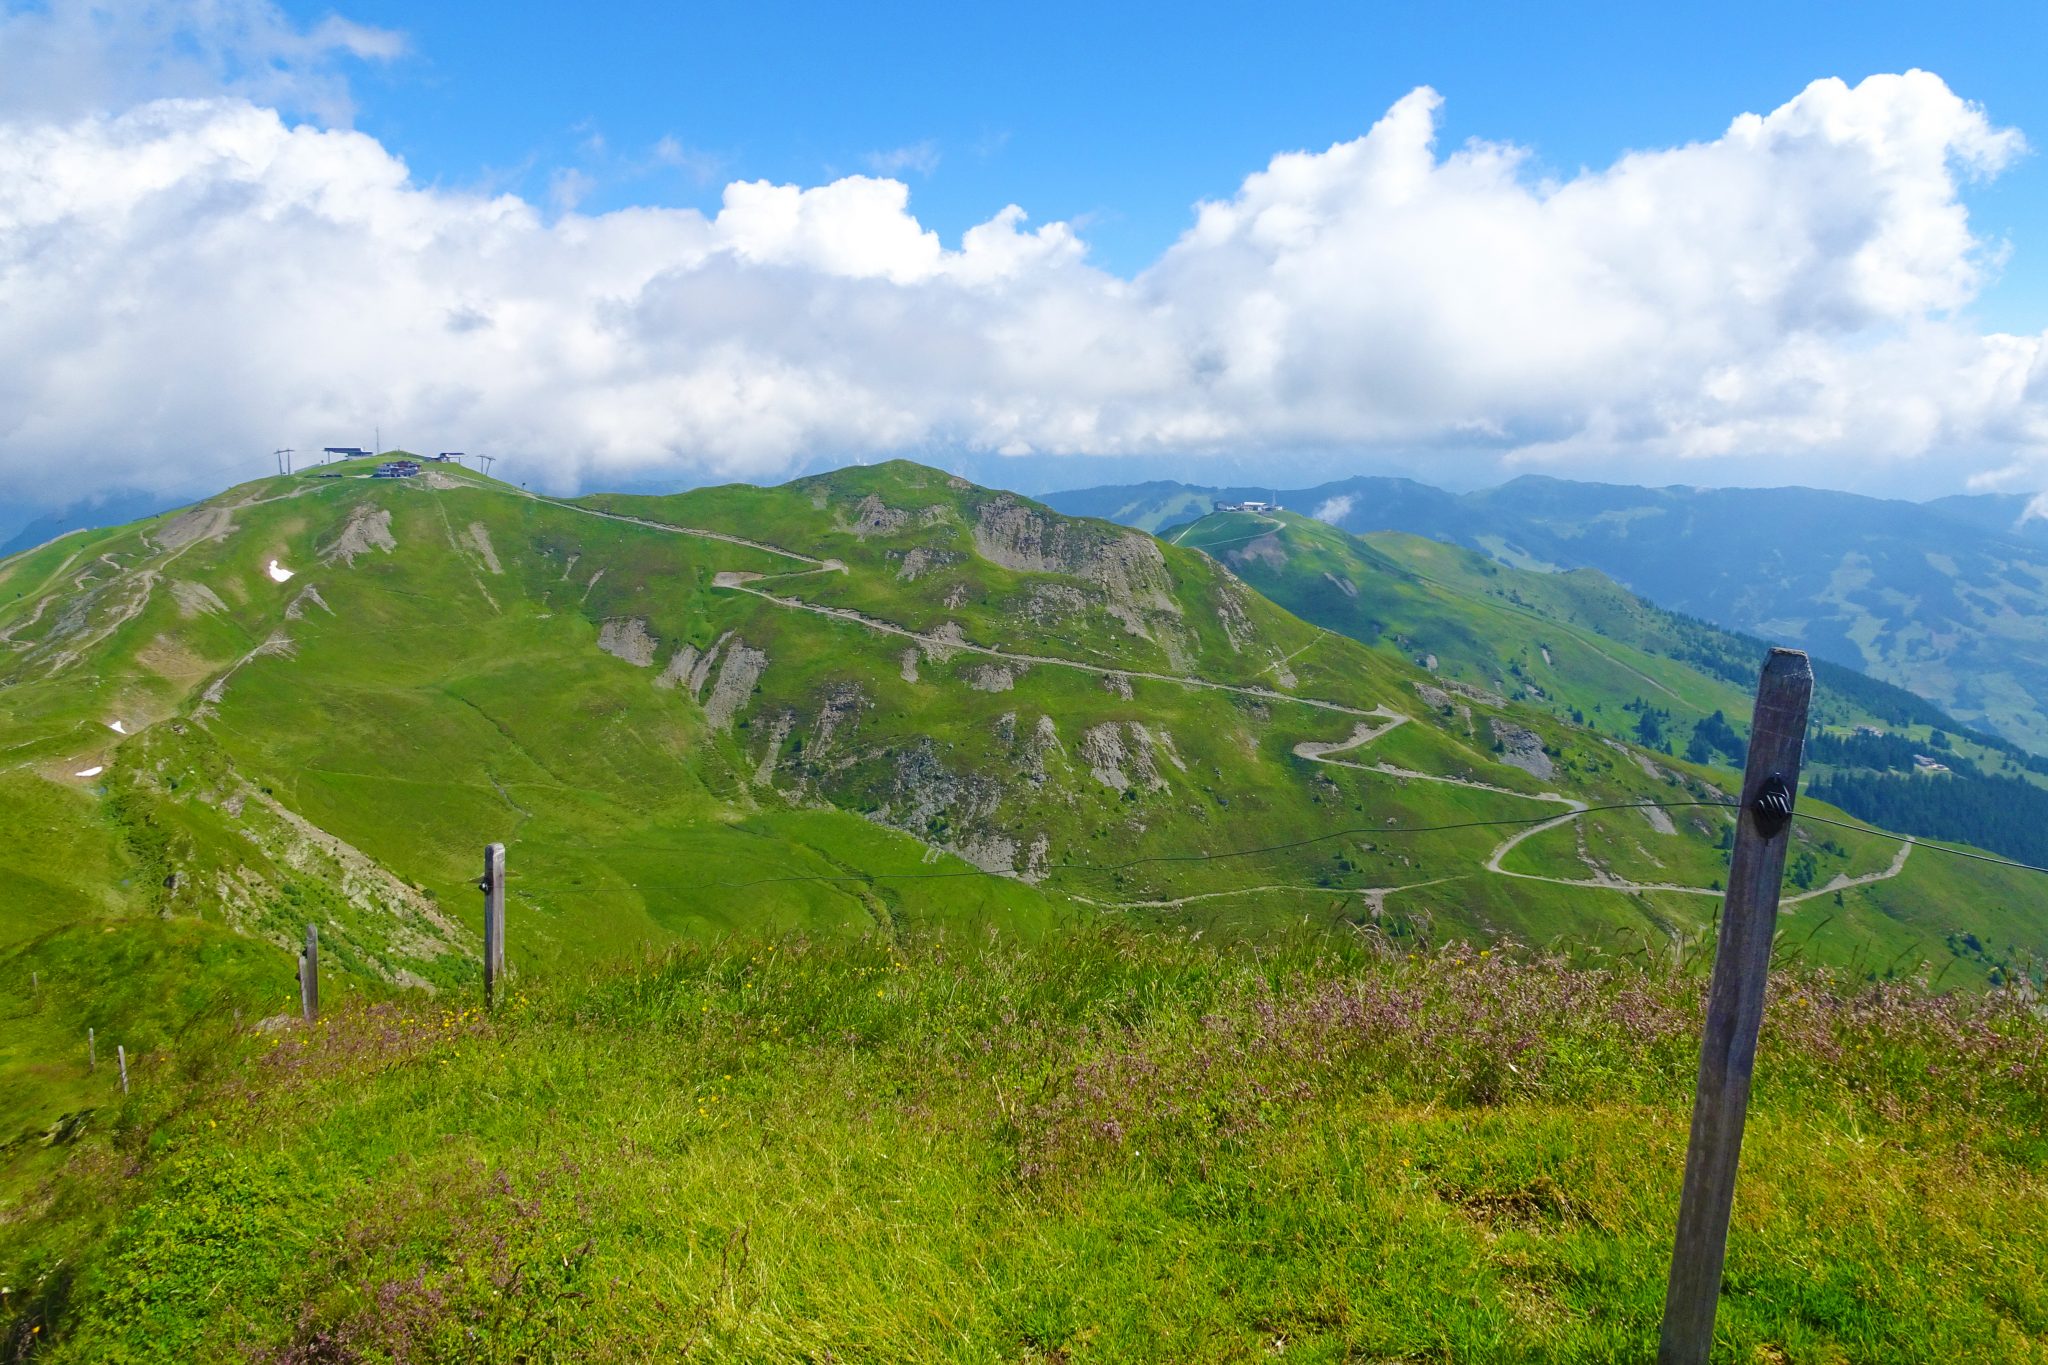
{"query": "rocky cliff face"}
pixel 1126 568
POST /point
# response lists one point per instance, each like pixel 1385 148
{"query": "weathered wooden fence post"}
pixel 121 1052
pixel 92 1051
pixel 494 920
pixel 309 975
pixel 1735 1006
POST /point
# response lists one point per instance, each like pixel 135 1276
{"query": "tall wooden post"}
pixel 494 920
pixel 92 1051
pixel 309 975
pixel 1735 1006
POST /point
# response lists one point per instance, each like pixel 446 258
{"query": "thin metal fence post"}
pixel 493 885
pixel 309 975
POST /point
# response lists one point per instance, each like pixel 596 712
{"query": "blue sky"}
pixel 677 243
pixel 1121 117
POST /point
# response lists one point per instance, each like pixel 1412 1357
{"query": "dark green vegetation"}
pixel 1122 1146
pixel 1949 598
pixel 1581 646
pixel 2001 813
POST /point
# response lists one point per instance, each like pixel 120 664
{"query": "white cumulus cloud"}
pixel 189 282
pixel 1334 510
pixel 69 57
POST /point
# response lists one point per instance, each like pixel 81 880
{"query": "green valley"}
pixel 1579 645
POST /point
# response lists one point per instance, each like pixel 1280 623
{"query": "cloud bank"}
pixel 192 281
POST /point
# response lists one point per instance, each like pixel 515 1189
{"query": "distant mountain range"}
pixel 24 528
pixel 1948 599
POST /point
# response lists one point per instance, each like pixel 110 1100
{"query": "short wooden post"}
pixel 121 1052
pixel 309 975
pixel 92 1051
pixel 1735 1006
pixel 494 920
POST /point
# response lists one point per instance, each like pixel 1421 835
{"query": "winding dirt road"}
pixel 1317 752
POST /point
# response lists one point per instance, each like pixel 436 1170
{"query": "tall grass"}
pixel 1104 1146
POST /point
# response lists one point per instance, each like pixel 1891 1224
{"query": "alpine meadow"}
pixel 796 684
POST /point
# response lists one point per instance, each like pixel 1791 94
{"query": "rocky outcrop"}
pixel 778 731
pixel 628 638
pixel 915 564
pixel 1129 569
pixel 195 599
pixel 991 678
pixel 1233 611
pixel 309 597
pixel 1108 749
pixel 1522 748
pixel 941 644
pixel 480 537
pixel 188 528
pixel 873 517
pixel 840 712
pixel 368 528
pixel 676 671
pixel 741 669
pixel 922 790
pixel 689 668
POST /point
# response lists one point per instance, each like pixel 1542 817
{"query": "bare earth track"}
pixel 1373 724
pixel 1361 736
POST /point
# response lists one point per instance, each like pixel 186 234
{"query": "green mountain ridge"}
pixel 1946 598
pixel 1580 645
pixel 851 704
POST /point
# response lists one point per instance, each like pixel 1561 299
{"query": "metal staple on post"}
pixel 493 885
pixel 1735 1006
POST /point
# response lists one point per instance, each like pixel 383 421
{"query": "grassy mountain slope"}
pixel 1947 598
pixel 773 765
pixel 1570 642
pixel 828 707
pixel 1112 1146
pixel 1581 645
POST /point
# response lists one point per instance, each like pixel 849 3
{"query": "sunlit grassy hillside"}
pixel 876 699
pixel 1111 1146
